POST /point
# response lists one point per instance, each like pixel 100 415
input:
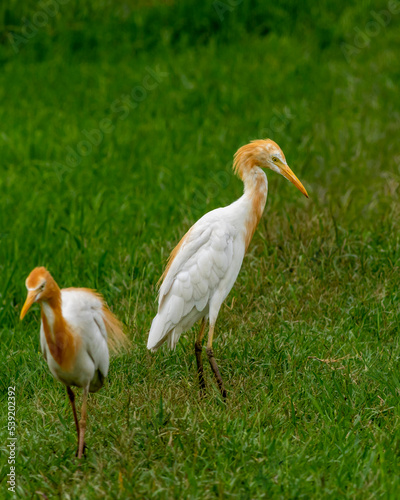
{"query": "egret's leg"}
pixel 213 363
pixel 71 396
pixel 82 423
pixel 198 350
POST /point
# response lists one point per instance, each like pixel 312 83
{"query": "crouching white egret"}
pixel 76 329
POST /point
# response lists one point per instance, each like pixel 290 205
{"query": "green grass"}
pixel 307 341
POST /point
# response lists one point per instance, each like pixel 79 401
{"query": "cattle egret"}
pixel 203 267
pixel 76 327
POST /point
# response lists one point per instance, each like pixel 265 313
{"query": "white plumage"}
pixel 204 266
pixel 197 282
pixel 83 312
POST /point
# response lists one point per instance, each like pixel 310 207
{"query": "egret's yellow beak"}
pixel 286 172
pixel 30 299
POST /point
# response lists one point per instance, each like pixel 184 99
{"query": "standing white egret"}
pixel 204 265
pixel 75 329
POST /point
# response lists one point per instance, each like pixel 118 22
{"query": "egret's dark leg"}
pixel 213 363
pixel 71 396
pixel 198 348
pixel 82 423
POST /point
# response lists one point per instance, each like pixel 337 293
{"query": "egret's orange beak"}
pixel 286 172
pixel 30 299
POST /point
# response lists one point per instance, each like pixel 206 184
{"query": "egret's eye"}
pixel 275 159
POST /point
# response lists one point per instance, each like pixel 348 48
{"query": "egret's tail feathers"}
pixel 158 333
pixel 116 338
pixel 163 331
pixel 173 337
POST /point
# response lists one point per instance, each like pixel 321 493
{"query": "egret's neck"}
pixel 59 338
pixel 255 192
pixel 255 181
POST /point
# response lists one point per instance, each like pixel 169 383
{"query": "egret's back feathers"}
pixel 84 299
pixel 195 274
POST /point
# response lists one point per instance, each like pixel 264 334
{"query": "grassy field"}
pixel 307 341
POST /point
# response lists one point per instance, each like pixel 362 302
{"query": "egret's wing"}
pixel 98 350
pixel 83 310
pixel 193 240
pixel 199 266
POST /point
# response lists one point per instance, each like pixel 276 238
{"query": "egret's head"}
pixel 40 286
pixel 265 154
